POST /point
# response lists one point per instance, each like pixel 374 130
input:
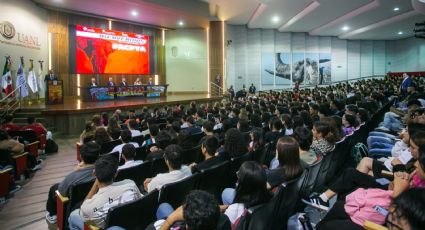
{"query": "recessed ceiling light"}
pixel 345 28
pixel 134 12
pixel 181 23
pixel 275 19
pixel 396 9
pixel 400 32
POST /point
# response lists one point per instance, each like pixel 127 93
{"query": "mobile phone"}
pixel 381 210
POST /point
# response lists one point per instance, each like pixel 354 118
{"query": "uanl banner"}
pixel 100 51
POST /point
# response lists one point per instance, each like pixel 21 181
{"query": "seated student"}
pixel 243 125
pixel 209 148
pixel 172 157
pixel 126 139
pixel 275 126
pixel 323 138
pixel 128 153
pixel 113 128
pixel 234 144
pixel 104 195
pixel 393 119
pixel 287 123
pixel 251 190
pixel 97 121
pixel 338 218
pixel 101 136
pixel 162 141
pixel 199 117
pixel 132 126
pixel 192 128
pixel 83 172
pixel 38 128
pixel 350 124
pixel 208 129
pixel 199 211
pixel 8 124
pixel 257 141
pixel 290 165
pixel 88 133
pixel 153 132
pixel 304 137
pixel 12 147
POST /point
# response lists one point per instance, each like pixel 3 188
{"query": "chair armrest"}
pixel 5 170
pixel 90 227
pixel 16 156
pixel 61 206
pixel 33 148
pixel 21 163
pixel 369 225
pixel 62 199
pixel 387 174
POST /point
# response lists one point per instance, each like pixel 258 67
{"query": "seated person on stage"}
pixel 209 148
pixel 200 211
pixel 123 82
pixel 133 126
pixel 163 139
pixel 82 173
pixel 150 81
pixel 128 153
pixel 153 132
pixel 173 159
pixel 8 124
pixel 38 128
pixel 104 195
pixel 137 82
pixel 111 82
pixel 93 82
pixel 126 139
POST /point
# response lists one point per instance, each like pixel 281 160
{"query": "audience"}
pixel 128 153
pixel 8 124
pixel 126 139
pixel 209 149
pixel 88 133
pixel 101 136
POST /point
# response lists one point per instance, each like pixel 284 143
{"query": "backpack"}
pixel 51 146
pixel 358 151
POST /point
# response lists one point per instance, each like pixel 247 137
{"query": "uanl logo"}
pixel 7 30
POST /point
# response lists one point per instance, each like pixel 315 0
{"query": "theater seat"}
pixel 310 180
pixel 78 145
pixel 235 164
pixel 5 182
pixel 191 155
pixel 141 153
pixel 109 146
pixel 32 148
pixel 138 173
pixel 213 180
pixel 158 166
pixel 174 193
pixel 138 139
pixel 21 164
pixel 65 205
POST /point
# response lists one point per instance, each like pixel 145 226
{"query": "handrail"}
pixel 218 87
pixel 7 96
pixel 11 105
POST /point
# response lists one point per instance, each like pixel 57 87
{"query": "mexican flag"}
pixel 6 80
pixel 32 79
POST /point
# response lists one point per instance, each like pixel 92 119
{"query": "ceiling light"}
pixel 275 19
pixel 345 28
pixel 134 12
pixel 400 32
pixel 396 9
pixel 181 23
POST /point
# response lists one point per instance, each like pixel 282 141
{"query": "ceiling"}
pixel 347 19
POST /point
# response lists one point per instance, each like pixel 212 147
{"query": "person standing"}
pixel 252 89
pixel 50 76
pixel 407 81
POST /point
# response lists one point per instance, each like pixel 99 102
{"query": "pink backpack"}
pixel 360 205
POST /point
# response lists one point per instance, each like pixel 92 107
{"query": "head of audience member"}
pixel 251 188
pixel 125 135
pixel 176 126
pixel 3 135
pixel 132 124
pixel 101 136
pixel 416 139
pixel 234 143
pixel 208 127
pixel 172 156
pixel 406 210
pixel 298 121
pixel 31 120
pixel 104 118
pixel 351 109
pixel 307 120
pixel 255 120
pixel 243 125
pixel 286 121
pixel 209 146
pixel 113 124
pixel 304 137
pixel 201 211
pixel 190 121
pixel 89 127
pixel 349 120
pixel 105 169
pixel 324 110
pixel 313 109
pixel 90 152
pixel 96 120
pixel 256 135
pixel 288 154
pixel 413 104
pixel 275 124
pixel 153 130
pixel 364 115
pixel 322 130
pixel 128 152
pixel 163 139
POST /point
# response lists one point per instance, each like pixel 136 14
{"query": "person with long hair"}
pixel 350 123
pixel 101 136
pixel 234 144
pixel 251 190
pixel 290 165
pixel 88 133
pixel 323 138
pixel 113 128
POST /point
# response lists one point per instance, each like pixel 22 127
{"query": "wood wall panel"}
pixel 58 23
pixel 216 51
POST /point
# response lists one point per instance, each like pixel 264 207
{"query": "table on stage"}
pixel 116 92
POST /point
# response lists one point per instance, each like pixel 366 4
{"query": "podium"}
pixel 54 92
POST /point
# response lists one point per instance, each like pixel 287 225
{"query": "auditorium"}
pixel 212 114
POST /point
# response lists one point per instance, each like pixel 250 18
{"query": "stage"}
pixel 69 118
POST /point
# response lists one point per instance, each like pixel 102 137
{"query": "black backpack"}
pixel 51 146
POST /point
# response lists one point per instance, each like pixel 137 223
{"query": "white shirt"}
pixel 135 133
pixel 289 132
pixel 118 148
pixel 165 178
pixel 130 163
pixel 234 211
